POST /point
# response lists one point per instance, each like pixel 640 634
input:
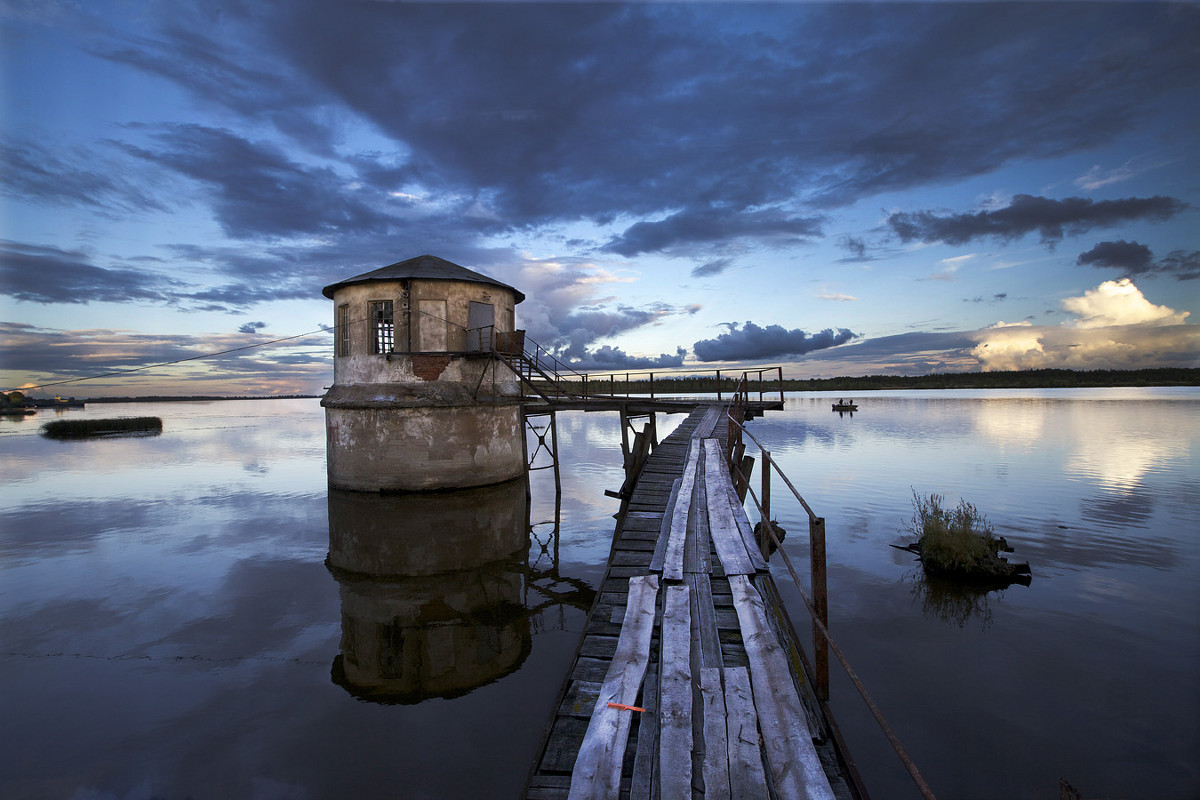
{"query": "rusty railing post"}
pixel 718 386
pixel 651 385
pixel 816 543
pixel 765 538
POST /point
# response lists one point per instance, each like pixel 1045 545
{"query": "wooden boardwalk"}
pixel 688 682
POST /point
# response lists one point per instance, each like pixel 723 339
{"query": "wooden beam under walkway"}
pixel 687 682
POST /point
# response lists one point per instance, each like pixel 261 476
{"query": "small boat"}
pixel 845 405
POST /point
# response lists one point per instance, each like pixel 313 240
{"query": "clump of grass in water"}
pixel 955 541
pixel 65 428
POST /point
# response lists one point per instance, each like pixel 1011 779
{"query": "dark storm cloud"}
pixel 1053 219
pixel 258 191
pixel 39 274
pixel 711 225
pixel 71 176
pixel 552 113
pixel 1134 258
pixel 1183 264
pixel 752 342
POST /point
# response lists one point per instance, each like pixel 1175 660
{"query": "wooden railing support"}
pixel 765 511
pixel 816 543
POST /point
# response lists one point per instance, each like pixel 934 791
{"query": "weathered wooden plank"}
pixel 664 530
pixel 725 535
pixel 704 620
pixel 746 775
pixel 716 744
pixel 673 558
pixel 597 770
pixel 795 768
pixel 644 785
pixel 704 429
pixel 675 696
pixel 744 527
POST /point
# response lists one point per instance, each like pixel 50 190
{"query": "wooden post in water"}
pixel 816 543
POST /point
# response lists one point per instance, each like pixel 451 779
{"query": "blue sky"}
pixel 841 189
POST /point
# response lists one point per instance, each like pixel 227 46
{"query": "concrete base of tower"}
pixel 382 446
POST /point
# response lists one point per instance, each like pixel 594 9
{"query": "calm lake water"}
pixel 169 628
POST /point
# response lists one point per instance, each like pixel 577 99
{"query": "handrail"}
pixel 820 615
pixel 571 381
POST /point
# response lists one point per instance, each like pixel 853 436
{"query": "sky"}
pixel 838 189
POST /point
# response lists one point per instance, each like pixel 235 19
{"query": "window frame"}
pixel 382 321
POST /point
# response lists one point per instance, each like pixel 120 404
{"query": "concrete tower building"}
pixel 417 401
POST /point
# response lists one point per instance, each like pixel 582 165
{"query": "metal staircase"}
pixel 539 371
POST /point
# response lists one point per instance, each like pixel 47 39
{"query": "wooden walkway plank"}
pixel 664 529
pixel 673 559
pixel 795 767
pixel 716 744
pixel 675 696
pixel 727 539
pixel 597 772
pixel 746 776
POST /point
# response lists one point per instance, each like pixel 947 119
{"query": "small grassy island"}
pixel 77 428
pixel 959 543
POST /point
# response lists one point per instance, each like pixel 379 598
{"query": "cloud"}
pixel 1113 327
pixel 258 190
pixel 565 312
pixel 713 225
pixel 1053 219
pixel 252 327
pixel 40 274
pixel 1119 303
pixel 73 176
pixel 1133 259
pixel 1129 256
pixel 41 355
pixel 751 342
pixel 529 106
pixel 611 359
pixel 715 267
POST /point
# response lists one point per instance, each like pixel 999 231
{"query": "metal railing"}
pixel 570 381
pixel 818 607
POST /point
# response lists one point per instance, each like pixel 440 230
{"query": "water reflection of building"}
pixel 435 590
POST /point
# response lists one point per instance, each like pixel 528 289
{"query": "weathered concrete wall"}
pixel 420 447
pixel 363 365
pixel 426 533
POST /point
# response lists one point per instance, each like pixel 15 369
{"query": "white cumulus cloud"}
pixel 1114 327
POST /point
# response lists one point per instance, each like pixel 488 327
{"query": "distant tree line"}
pixel 1015 379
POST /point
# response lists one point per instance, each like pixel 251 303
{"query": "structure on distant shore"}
pixel 417 400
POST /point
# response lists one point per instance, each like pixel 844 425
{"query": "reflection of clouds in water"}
pixel 1120 463
pixel 1127 509
pixel 1011 423
pixel 1094 547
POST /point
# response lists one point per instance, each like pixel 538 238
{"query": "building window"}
pixel 343 330
pixel 383 329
